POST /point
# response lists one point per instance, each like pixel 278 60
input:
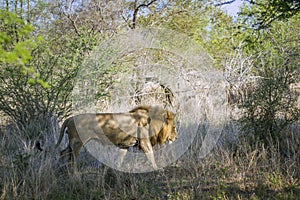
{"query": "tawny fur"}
pixel 143 126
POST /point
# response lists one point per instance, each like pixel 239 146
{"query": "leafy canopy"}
pixel 16 46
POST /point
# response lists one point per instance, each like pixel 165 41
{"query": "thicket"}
pixel 43 45
pixel 272 105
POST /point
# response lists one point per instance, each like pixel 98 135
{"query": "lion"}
pixel 143 126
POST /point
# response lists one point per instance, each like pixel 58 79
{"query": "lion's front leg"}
pixel 146 146
pixel 122 154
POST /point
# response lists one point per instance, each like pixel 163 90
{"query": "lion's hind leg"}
pixel 66 157
pixel 66 154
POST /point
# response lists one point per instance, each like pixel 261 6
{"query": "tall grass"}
pixel 232 169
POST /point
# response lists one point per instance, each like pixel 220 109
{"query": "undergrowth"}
pixel 233 170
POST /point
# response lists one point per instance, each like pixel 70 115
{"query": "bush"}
pixel 271 106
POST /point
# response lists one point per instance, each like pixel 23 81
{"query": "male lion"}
pixel 143 126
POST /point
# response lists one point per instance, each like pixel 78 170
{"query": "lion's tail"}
pixel 62 131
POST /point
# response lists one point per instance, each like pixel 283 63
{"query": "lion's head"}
pixel 161 124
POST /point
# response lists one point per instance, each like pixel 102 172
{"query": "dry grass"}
pixel 242 173
pixel 233 170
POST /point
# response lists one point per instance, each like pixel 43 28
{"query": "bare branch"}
pixel 224 3
pixel 137 9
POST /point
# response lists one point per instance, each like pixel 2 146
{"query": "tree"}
pixel 16 46
pixel 35 82
pixel 271 106
pixel 266 12
pixel 206 24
